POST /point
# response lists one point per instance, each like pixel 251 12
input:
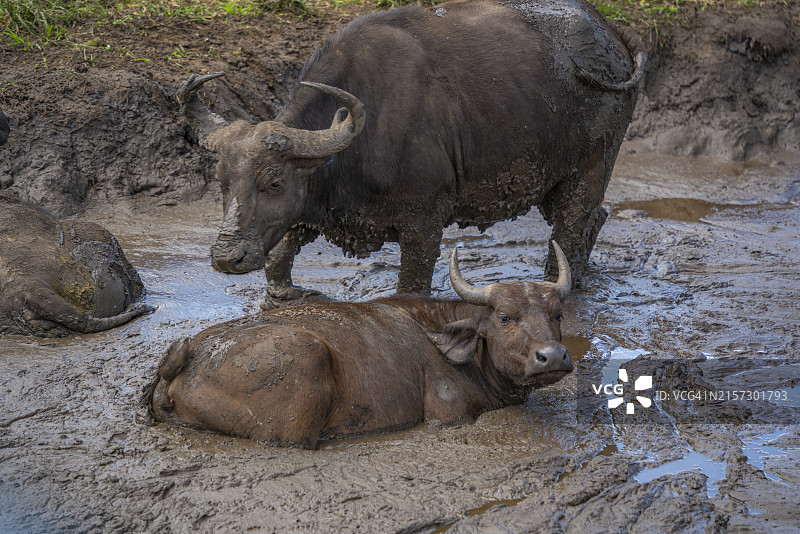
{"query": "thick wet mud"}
pixel 697 263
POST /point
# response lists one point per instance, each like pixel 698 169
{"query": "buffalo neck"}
pixel 433 314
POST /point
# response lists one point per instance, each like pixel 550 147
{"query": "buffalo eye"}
pixel 270 180
pixel 505 319
pixel 558 317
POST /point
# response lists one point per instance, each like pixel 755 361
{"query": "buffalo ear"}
pixel 458 341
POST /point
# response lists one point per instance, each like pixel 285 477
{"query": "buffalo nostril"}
pixel 554 356
pixel 550 362
pixel 236 256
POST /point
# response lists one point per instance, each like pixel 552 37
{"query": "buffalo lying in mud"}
pixel 466 112
pixel 298 375
pixel 59 277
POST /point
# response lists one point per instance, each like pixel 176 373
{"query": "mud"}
pixel 698 260
pixel 105 128
pixel 722 83
pixel 77 450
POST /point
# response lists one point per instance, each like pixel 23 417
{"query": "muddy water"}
pixel 698 260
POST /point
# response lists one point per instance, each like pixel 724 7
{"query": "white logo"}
pixel 641 383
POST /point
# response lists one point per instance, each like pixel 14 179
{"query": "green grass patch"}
pixel 52 20
pixel 45 21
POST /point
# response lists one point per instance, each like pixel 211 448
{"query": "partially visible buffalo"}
pixel 5 130
pixel 466 112
pixel 298 375
pixel 60 277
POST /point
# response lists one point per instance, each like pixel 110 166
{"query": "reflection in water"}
pixel 757 450
pixel 577 345
pixel 715 471
pixel 676 209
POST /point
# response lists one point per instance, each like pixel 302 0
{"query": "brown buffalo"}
pixel 410 120
pixel 62 277
pixel 298 375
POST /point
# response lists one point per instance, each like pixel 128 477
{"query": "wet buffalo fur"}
pixel 302 374
pixel 61 277
pixel 475 111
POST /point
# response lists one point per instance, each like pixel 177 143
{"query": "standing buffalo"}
pixel 60 278
pixel 298 375
pixel 467 112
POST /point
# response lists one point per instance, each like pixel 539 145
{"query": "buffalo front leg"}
pixel 281 291
pixel 574 208
pixel 418 254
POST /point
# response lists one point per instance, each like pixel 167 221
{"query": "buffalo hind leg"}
pixel 281 291
pixel 574 208
pixel 291 409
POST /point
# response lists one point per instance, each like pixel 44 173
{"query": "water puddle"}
pixel 715 471
pixel 577 345
pixel 758 450
pixel 677 209
pixel 618 357
pixel 186 288
pixel 480 510
pixel 464 240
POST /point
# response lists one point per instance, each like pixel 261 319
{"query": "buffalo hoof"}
pixel 284 296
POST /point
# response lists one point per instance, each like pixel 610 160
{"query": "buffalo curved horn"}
pixel 564 282
pixel 470 293
pixel 324 143
pixel 202 120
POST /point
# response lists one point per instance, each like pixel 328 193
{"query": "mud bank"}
pixel 722 83
pixel 101 131
pixel 78 452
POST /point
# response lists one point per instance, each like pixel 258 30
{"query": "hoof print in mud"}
pixel 280 377
pixel 62 277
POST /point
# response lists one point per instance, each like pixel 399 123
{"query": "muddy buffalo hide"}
pixel 62 277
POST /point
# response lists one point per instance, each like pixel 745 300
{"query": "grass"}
pixel 46 21
pixel 52 20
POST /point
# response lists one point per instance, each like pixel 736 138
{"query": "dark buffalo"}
pixel 60 277
pixel 467 112
pixel 298 375
pixel 5 130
